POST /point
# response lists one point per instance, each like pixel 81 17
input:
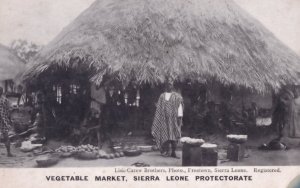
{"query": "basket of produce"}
pixel 82 152
pixel 48 160
pixel 66 149
pixel 87 148
pixel 191 141
pixel 238 139
pixel 87 152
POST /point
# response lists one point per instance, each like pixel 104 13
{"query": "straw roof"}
pixel 146 40
pixel 10 64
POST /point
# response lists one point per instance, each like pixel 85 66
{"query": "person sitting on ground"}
pixel 4 121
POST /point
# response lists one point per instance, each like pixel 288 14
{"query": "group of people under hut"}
pixel 168 117
pixel 167 123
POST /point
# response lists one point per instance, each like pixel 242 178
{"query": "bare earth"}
pixel 255 158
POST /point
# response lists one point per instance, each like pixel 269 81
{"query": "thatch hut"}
pixel 143 41
pixel 11 66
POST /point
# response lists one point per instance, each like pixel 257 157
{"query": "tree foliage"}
pixel 25 49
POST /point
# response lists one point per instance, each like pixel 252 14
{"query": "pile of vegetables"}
pixel 194 141
pixel 87 152
pixel 87 148
pixel 209 145
pixel 237 138
pixel 104 155
pixel 66 149
pixel 81 148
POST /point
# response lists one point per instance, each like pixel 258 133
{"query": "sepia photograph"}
pixel 150 83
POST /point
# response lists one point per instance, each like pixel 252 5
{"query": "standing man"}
pixel 4 121
pixel 98 96
pixel 294 129
pixel 40 114
pixel 167 123
pixel 281 114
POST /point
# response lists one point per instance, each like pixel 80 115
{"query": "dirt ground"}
pixel 255 157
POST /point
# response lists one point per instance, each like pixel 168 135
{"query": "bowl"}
pixel 132 152
pixel 86 155
pixel 48 161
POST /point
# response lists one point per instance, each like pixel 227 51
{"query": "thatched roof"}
pixel 145 40
pixel 10 64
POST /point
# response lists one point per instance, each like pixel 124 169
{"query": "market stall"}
pixel 134 45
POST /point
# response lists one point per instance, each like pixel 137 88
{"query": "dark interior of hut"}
pixel 65 99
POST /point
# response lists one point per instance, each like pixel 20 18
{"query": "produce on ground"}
pixel 188 140
pixel 81 148
pixel 104 155
pixel 87 152
pixel 237 138
pixel 209 145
